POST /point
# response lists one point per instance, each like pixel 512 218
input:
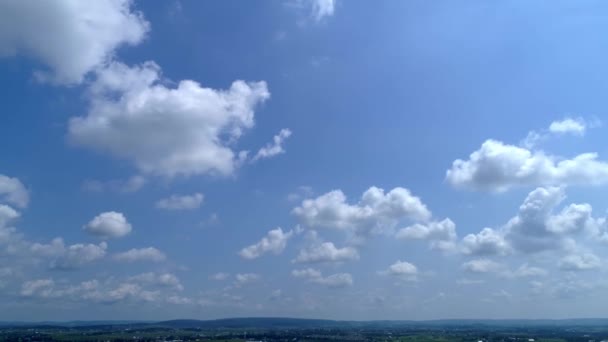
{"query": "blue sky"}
pixel 304 158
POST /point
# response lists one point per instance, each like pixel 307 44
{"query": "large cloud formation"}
pixel 71 38
pixel 497 166
pixel 375 212
pixel 186 130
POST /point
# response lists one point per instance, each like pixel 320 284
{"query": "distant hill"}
pixel 299 323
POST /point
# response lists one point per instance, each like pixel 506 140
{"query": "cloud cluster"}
pixel 337 280
pixel 274 242
pixel 376 211
pixel 68 257
pixel 326 252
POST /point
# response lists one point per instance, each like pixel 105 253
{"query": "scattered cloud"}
pixel 181 202
pixel 64 257
pixel 442 234
pixel 141 254
pixel 402 270
pixel 274 242
pixel 220 276
pixel 337 280
pixel 107 225
pixel 575 126
pixel 326 252
pixel 245 278
pixel 482 266
pixel 275 148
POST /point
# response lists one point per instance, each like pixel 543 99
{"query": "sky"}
pixel 334 159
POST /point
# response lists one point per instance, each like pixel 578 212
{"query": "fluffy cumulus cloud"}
pixel 538 226
pixel 147 287
pixel 183 130
pixel 13 191
pixel 326 252
pixel 141 254
pixel 337 280
pixel 275 148
pixel 482 266
pixel 68 257
pixel 167 280
pixel 442 234
pixel 402 270
pixel 487 242
pixel 70 38
pixel 497 166
pixel 110 224
pixel 571 126
pixel 181 202
pixel 375 212
pixel 274 242
pixel 575 126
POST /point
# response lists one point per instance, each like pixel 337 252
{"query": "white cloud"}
pixel 38 287
pixel 442 234
pixel 526 270
pixel 498 167
pixel 575 126
pixel 338 280
pixel 181 202
pixel 141 254
pixel 108 225
pixel 245 278
pixel 486 242
pixel 220 276
pixel 535 228
pixel 133 184
pixel 326 252
pixel 580 262
pixel 403 270
pixel 275 148
pixel 482 266
pixel 68 257
pixel 7 214
pixel 12 190
pixel 185 130
pixel 274 242
pixel 158 279
pixel 71 38
pixel 322 8
pixel 375 212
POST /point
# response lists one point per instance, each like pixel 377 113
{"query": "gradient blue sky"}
pixel 422 159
